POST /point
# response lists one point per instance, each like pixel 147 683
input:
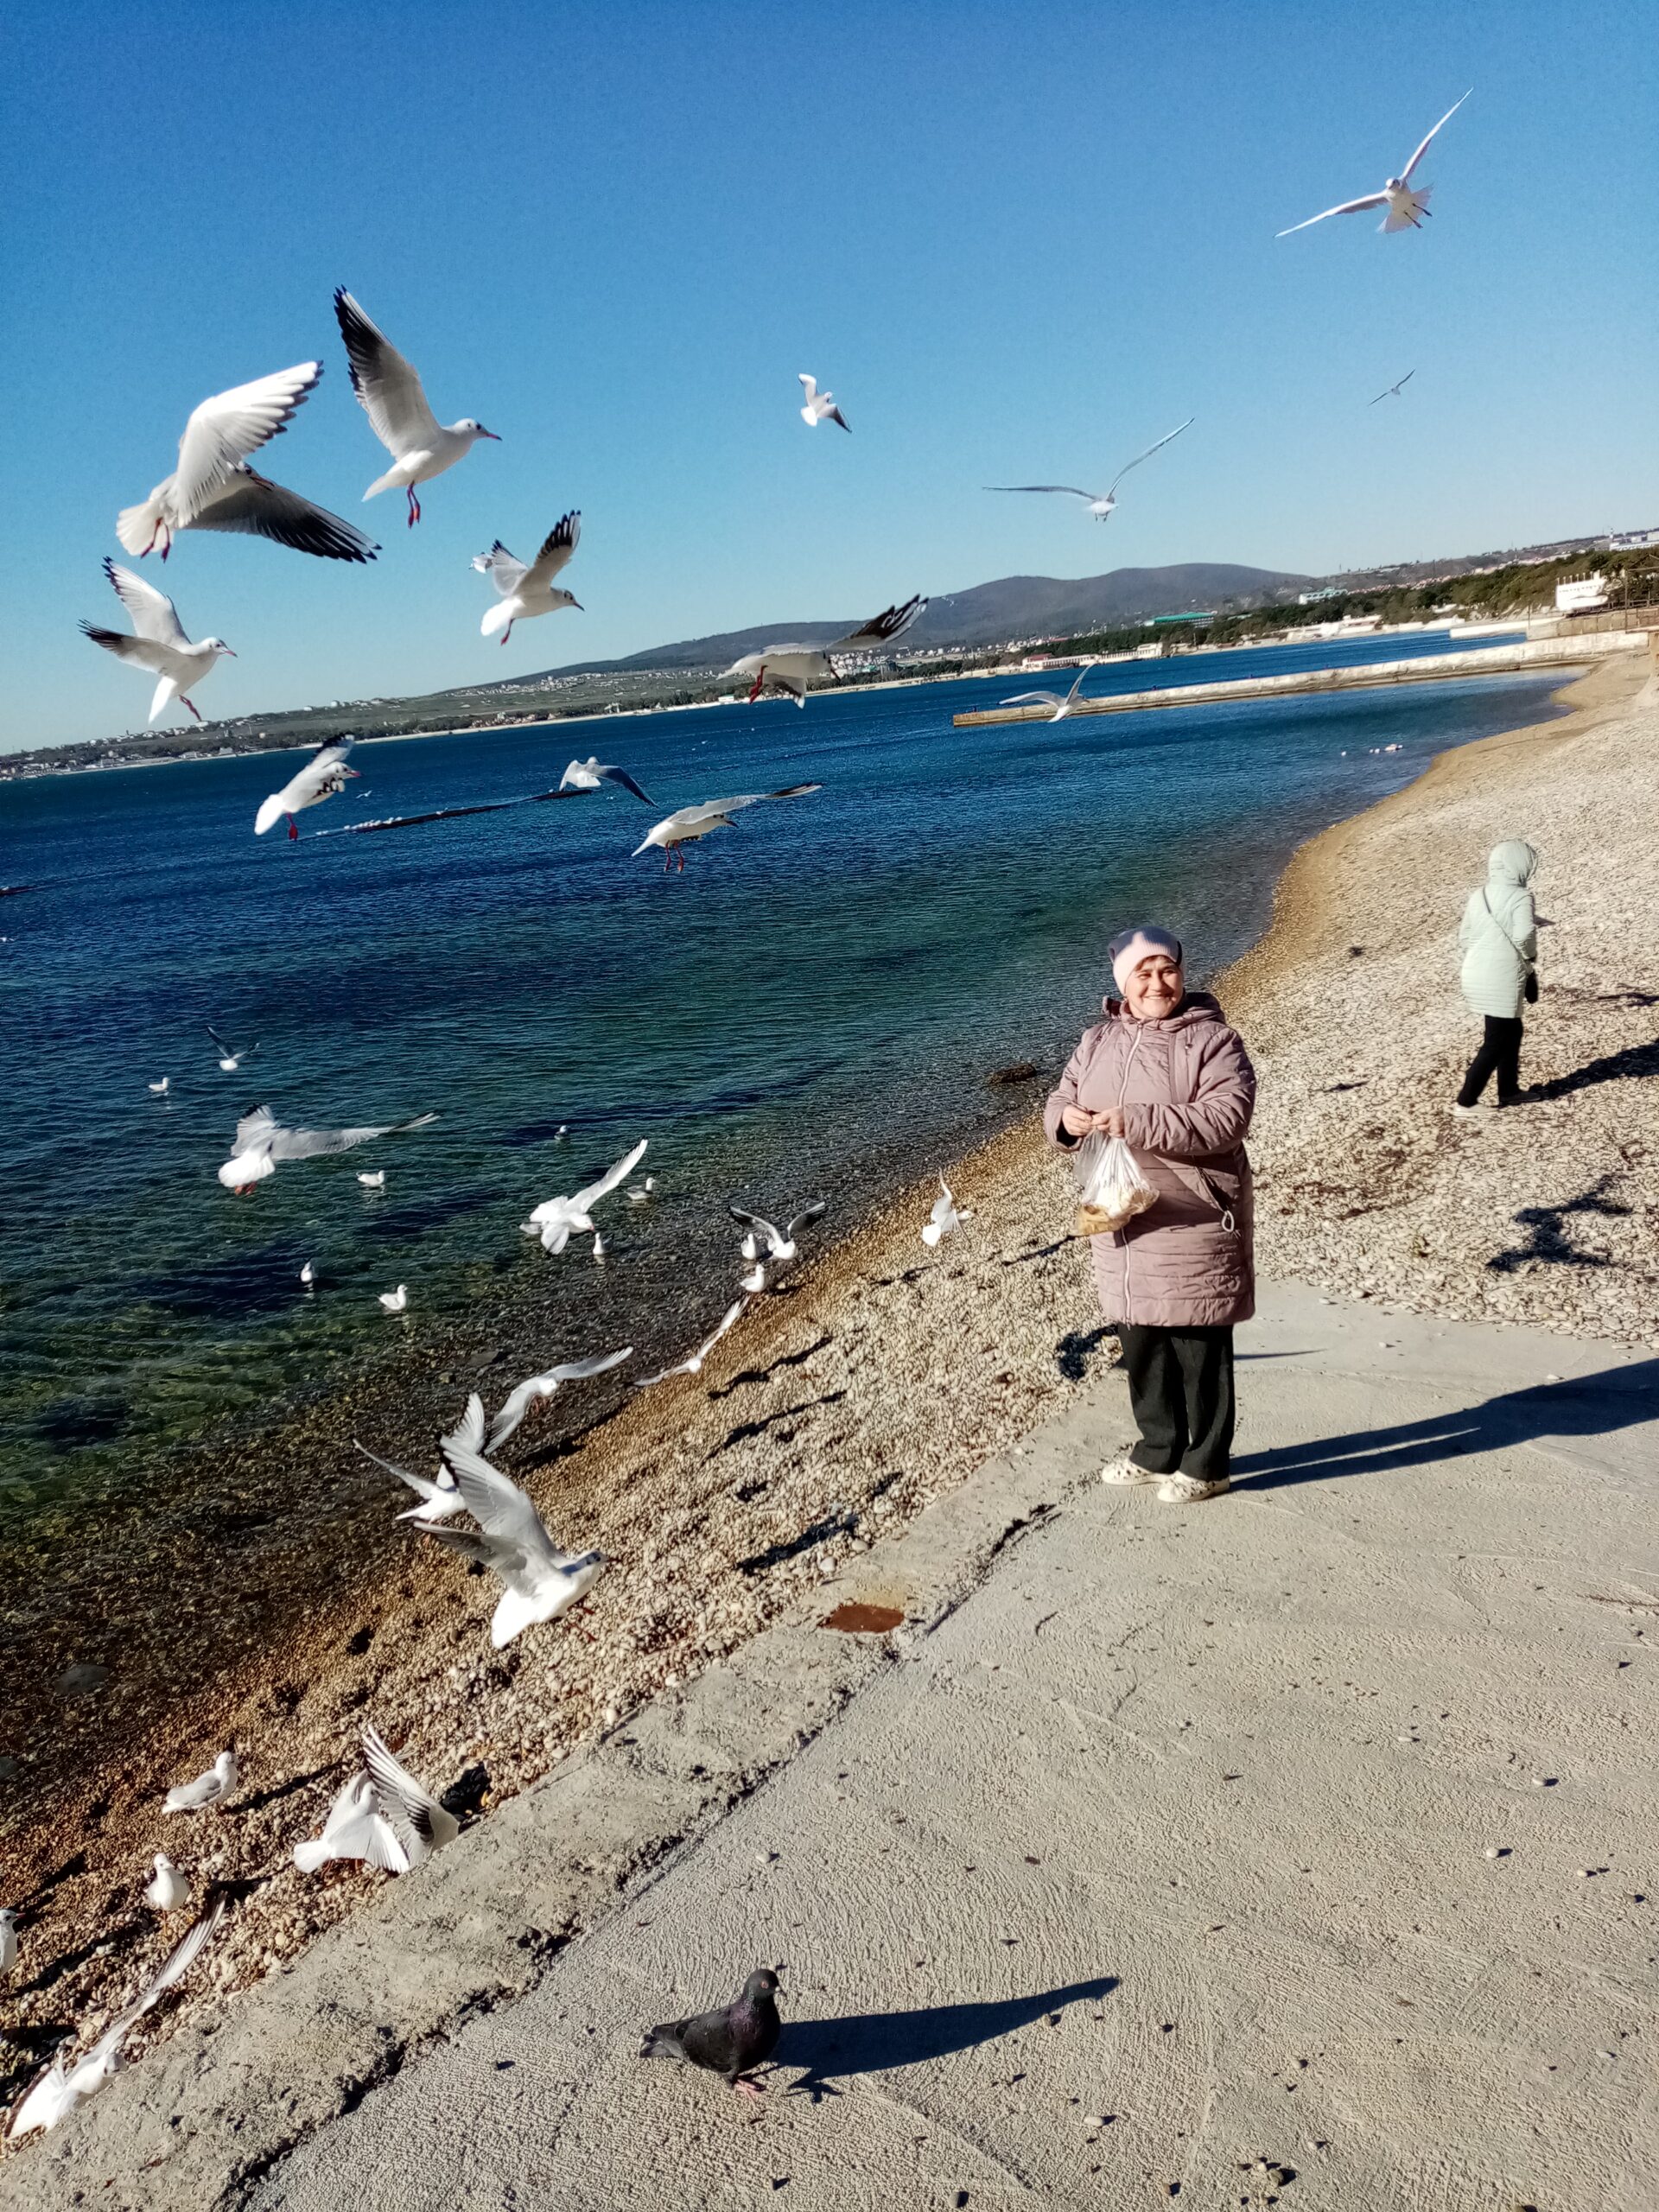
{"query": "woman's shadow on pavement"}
pixel 1590 1405
pixel 873 2043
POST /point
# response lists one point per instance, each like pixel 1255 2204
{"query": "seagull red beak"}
pixel 353 772
pixel 483 433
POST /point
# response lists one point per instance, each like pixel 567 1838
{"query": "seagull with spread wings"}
pixel 1395 389
pixel 820 405
pixel 537 1387
pixel 556 1220
pixel 421 447
pixel 261 1144
pixel 1100 504
pixel 1061 702
pixel 529 591
pixel 213 488
pixel 159 644
pixel 791 668
pixel 693 1363
pixel 440 1500
pixel 588 775
pixel 1406 206
pixel 381 1816
pixel 780 1244
pixel 325 775
pixel 687 824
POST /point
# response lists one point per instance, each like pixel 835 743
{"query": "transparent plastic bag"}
pixel 1111 1190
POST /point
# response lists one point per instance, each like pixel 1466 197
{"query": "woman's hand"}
pixel 1110 1124
pixel 1077 1120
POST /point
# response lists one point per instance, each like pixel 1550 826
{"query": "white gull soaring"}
pixel 1100 504
pixel 421 447
pixel 791 668
pixel 1406 206
pixel 160 644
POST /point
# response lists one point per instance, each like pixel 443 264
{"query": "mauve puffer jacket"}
pixel 1188 1090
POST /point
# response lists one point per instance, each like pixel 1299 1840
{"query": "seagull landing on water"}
pixel 1406 208
pixel 1395 389
pixel 586 776
pixel 1100 504
pixel 213 488
pixel 540 1581
pixel 230 1057
pixel 261 1144
pixel 528 591
pixel 210 1789
pixel 1061 702
pixel 420 446
pixel 690 822
pixel 791 668
pixel 540 1387
pixel 170 1889
pixel 324 776
pixel 820 405
pixel 693 1364
pixel 555 1219
pixel 160 644
pixel 780 1244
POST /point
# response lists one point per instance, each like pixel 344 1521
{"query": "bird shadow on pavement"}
pixel 1582 1406
pixel 874 2043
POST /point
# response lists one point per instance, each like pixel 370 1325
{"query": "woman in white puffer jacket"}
pixel 1499 938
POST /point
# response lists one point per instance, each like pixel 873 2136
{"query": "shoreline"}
pixel 820 1428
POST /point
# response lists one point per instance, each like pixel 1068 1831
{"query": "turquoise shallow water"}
pixel 814 1006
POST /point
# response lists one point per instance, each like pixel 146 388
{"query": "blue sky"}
pixel 1018 243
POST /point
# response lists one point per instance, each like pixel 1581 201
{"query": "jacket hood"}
pixel 1196 1007
pixel 1513 861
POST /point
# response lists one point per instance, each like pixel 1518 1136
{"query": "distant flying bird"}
pixel 791 668
pixel 1061 702
pixel 539 1387
pixel 687 824
pixel 420 446
pixel 1100 504
pixel 1405 207
pixel 529 591
pixel 586 776
pixel 230 1057
pixel 540 1581
pixel 161 1088
pixel 943 1217
pixel 395 1301
pixel 1393 389
pixel 262 1145
pixel 556 1220
pixel 159 645
pixel 693 1364
pixel 170 1889
pixel 209 1788
pixel 213 488
pixel 324 775
pixel 820 405
pixel 728 2042
pixel 780 1244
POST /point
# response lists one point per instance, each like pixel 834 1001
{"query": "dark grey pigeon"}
pixel 730 2041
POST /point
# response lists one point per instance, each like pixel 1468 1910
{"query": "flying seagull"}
pixel 1406 206
pixel 209 1788
pixel 588 775
pixel 537 1387
pixel 693 1365
pixel 555 1219
pixel 230 1057
pixel 780 1244
pixel 160 644
pixel 324 775
pixel 261 1144
pixel 528 591
pixel 421 1824
pixel 820 405
pixel 943 1217
pixel 540 1581
pixel 1061 702
pixel 729 2041
pixel 791 668
pixel 687 824
pixel 440 1499
pixel 56 2090
pixel 213 488
pixel 1393 389
pixel 420 446
pixel 382 1816
pixel 1100 504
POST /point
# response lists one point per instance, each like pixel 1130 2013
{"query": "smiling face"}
pixel 1154 987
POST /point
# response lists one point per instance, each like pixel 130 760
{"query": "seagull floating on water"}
pixel 1395 389
pixel 230 1056
pixel 538 1387
pixel 693 1365
pixel 395 1301
pixel 420 446
pixel 945 1216
pixel 687 824
pixel 555 1219
pixel 170 1889
pixel 820 405
pixel 213 488
pixel 261 1144
pixel 529 591
pixel 307 1275
pixel 159 644
pixel 586 776
pixel 1100 504
pixel 1406 208
pixel 324 775
pixel 791 668
pixel 780 1244
pixel 208 1788
pixel 1061 701
pixel 160 1089
pixel 377 1181
pixel 540 1581
pixel 601 1248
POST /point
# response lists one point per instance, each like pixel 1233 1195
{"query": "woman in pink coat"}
pixel 1165 1072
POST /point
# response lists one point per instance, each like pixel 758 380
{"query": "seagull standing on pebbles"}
pixel 780 1244
pixel 945 1216
pixel 791 668
pixel 693 1364
pixel 1406 208
pixel 160 644
pixel 555 1219
pixel 170 1889
pixel 1100 504
pixel 539 1387
pixel 820 405
pixel 209 1788
pixel 529 591
pixel 324 776
pixel 7 1938
pixel 754 1282
pixel 687 824
pixel 586 776
pixel 420 446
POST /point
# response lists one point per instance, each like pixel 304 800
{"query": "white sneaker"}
pixel 1464 1113
pixel 1124 1470
pixel 1187 1489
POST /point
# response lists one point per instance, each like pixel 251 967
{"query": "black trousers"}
pixel 1181 1392
pixel 1499 1055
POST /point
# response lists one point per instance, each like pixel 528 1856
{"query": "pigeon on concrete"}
pixel 728 2042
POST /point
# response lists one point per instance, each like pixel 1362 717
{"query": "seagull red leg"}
pixel 293 829
pixel 414 506
pixel 183 701
pixel 755 691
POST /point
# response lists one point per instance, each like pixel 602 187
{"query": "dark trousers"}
pixel 1181 1394
pixel 1499 1055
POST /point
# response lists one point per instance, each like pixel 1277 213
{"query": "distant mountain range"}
pixel 1013 606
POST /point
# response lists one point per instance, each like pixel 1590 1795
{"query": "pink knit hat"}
pixel 1127 951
